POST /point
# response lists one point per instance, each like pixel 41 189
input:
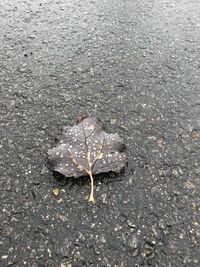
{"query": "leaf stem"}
pixel 91 198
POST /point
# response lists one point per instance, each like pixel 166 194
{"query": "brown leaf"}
pixel 86 149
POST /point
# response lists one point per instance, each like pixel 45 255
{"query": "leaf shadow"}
pixel 59 180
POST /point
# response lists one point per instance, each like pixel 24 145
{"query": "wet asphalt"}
pixel 133 64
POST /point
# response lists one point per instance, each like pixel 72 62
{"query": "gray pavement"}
pixel 135 65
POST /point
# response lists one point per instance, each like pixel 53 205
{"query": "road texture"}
pixel 135 65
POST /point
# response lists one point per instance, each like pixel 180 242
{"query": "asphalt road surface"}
pixel 135 65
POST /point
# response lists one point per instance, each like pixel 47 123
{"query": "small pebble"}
pixel 56 192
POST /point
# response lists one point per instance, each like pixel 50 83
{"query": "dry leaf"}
pixel 86 149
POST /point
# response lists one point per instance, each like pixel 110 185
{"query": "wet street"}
pixel 134 64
